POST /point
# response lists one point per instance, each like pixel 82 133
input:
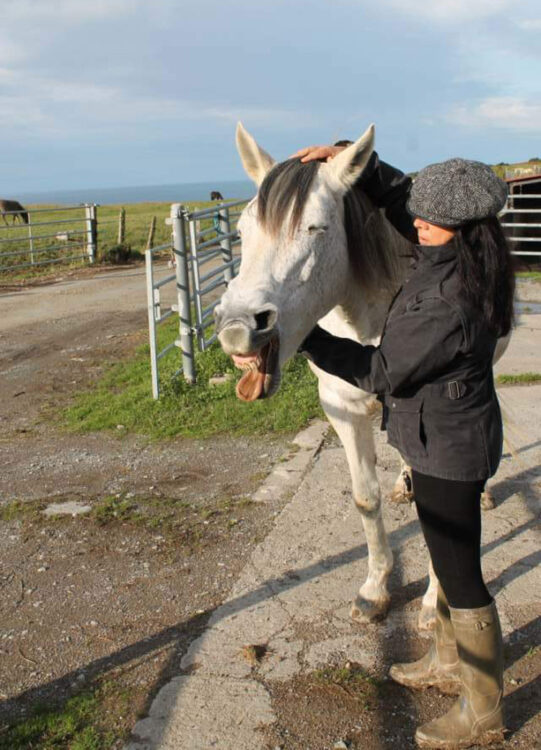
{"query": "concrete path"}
pixel 294 594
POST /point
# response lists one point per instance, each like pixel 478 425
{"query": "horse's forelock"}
pixel 288 183
pixel 372 252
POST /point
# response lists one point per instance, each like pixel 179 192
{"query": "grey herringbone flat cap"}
pixel 455 192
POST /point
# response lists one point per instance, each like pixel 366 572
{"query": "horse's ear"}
pixel 346 168
pixel 254 159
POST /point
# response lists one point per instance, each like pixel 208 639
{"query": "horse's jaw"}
pixel 262 373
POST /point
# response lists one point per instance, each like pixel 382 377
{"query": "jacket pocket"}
pixel 405 427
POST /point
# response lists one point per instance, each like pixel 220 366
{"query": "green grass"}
pixel 534 275
pixel 501 168
pixel 352 679
pixel 19 510
pixel 524 378
pixel 346 676
pixel 77 725
pixel 121 400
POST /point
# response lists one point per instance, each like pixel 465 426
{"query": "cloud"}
pixel 74 11
pixel 501 112
pixel 530 24
pixel 11 51
pixel 44 106
pixel 449 11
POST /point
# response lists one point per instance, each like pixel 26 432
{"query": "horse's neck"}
pixel 360 315
pixel 358 318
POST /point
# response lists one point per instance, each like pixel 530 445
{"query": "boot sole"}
pixel 486 738
pixel 446 685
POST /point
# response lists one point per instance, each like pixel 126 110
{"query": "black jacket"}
pixel 433 367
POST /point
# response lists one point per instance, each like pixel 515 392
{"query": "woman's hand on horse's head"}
pixel 317 153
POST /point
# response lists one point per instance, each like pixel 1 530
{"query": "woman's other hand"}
pixel 317 153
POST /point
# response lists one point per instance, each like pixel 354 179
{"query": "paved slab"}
pixel 293 596
pixel 523 353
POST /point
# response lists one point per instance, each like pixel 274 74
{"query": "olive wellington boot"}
pixel 440 666
pixel 476 718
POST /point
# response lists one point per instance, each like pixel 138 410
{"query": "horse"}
pixel 15 209
pixel 216 196
pixel 316 249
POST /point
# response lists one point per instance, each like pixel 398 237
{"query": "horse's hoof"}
pixel 364 610
pixel 487 500
pixel 427 618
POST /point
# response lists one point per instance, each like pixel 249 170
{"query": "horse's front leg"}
pixel 354 428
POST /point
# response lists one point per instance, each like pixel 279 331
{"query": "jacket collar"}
pixel 434 254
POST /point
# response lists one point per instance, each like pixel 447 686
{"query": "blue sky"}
pixel 133 92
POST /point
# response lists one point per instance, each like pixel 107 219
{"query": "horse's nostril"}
pixel 265 319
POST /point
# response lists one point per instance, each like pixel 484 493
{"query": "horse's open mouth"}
pixel 262 376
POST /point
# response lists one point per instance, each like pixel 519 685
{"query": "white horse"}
pixel 315 250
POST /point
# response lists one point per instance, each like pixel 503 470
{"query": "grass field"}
pixel 138 217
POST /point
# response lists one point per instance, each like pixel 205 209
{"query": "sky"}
pixel 103 93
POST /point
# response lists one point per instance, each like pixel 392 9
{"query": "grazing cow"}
pixel 7 208
pixel 216 196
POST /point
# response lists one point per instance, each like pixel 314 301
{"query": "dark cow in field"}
pixel 216 196
pixel 7 207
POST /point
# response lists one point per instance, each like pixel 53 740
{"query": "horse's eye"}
pixel 313 229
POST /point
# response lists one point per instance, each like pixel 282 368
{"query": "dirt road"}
pixel 116 594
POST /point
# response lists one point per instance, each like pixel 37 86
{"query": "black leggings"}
pixel 450 516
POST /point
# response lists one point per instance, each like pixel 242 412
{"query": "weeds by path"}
pixel 121 400
pixel 82 723
pixel 523 378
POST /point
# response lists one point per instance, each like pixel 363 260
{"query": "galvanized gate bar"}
pixel 191 284
pixel 82 228
pixel 185 340
pixel 41 263
pixel 514 200
pixel 40 236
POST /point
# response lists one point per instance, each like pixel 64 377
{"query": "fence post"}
pixel 151 232
pixel 122 226
pixel 91 231
pixel 183 291
pixel 225 243
pixel 30 239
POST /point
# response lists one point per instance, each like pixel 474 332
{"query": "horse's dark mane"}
pixel 371 253
pixel 288 182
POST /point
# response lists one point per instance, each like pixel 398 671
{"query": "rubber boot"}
pixel 477 716
pixel 440 666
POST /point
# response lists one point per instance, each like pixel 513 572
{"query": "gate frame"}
pixel 190 254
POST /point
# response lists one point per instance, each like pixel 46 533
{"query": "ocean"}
pixel 186 191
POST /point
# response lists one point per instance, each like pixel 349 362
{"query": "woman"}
pixel 433 371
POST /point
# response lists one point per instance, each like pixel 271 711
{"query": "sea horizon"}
pixel 170 193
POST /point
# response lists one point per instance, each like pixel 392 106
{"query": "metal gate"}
pixel 521 219
pixel 204 261
pixel 48 236
pixel 200 280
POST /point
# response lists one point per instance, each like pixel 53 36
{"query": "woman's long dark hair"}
pixel 485 267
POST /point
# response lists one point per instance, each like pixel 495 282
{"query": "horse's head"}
pixel 295 265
